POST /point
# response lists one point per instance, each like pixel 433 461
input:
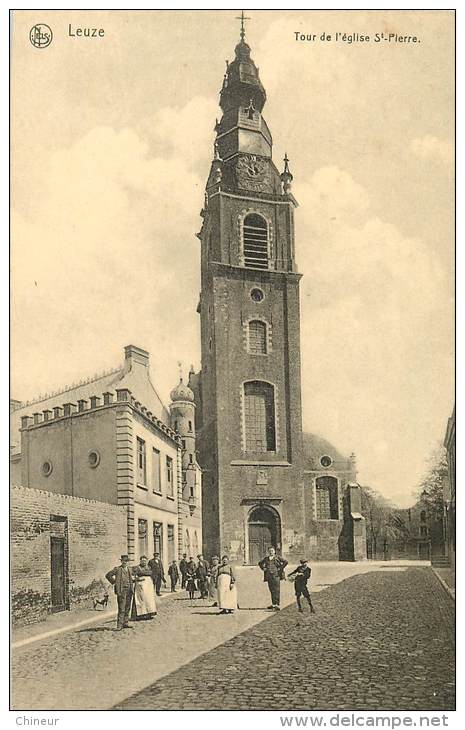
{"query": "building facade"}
pixel 248 393
pixel 449 492
pixel 110 448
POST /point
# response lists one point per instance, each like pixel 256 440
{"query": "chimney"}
pixel 14 404
pixel 135 357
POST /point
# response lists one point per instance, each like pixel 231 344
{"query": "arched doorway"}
pixel 264 532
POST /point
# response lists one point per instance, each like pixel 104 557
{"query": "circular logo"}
pixel 40 35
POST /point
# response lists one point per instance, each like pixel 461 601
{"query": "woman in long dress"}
pixel 212 589
pixel 144 591
pixel 226 585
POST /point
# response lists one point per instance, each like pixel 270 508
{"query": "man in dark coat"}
pixel 173 573
pixel 302 575
pixel 183 569
pixel 158 573
pixel 202 572
pixel 121 579
pixel 273 572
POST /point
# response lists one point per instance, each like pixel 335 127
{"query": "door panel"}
pixel 260 539
pixel 57 558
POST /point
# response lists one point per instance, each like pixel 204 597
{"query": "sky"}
pixel 112 141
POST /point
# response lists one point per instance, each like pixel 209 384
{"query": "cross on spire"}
pixel 242 18
pixel 180 370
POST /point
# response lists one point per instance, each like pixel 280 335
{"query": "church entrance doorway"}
pixel 264 532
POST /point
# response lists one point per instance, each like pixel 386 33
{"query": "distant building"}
pixel 413 527
pixel 107 447
pixel 449 496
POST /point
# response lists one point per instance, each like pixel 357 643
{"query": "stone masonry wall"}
pixel 96 536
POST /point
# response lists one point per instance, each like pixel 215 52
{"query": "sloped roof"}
pixel 136 379
pixel 315 447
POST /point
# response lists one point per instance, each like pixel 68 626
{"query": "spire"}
pixel 241 81
pixel 242 18
pixel 286 175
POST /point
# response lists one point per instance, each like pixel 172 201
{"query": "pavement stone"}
pixel 97 668
pixel 379 641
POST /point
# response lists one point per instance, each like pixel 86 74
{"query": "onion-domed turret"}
pixel 182 392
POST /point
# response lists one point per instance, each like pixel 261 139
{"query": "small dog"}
pixel 101 601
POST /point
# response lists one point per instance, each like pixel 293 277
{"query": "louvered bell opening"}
pixel 255 242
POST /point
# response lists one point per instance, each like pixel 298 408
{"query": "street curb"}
pixel 70 627
pixel 446 587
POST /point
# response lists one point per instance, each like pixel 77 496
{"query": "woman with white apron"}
pixel 226 586
pixel 144 591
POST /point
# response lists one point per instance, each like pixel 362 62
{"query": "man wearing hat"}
pixel 302 574
pixel 273 572
pixel 121 579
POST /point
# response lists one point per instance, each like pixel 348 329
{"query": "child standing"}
pixel 173 573
pixel 302 574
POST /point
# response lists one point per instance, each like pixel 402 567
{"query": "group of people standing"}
pixel 215 581
pixel 136 587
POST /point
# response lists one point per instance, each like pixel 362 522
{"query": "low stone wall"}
pixel 94 534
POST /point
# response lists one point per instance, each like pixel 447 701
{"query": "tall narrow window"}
pixel 327 498
pixel 257 337
pixel 255 234
pixel 141 462
pixel 142 534
pixel 156 481
pixel 169 477
pixel 259 417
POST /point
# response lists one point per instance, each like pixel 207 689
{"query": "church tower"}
pixel 249 388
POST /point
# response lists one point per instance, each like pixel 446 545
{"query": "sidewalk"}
pixel 447 578
pixel 59 623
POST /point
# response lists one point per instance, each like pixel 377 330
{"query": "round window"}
pixel 326 461
pixel 94 459
pixel 257 295
pixel 47 468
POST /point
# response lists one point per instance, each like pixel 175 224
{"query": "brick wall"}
pixel 95 537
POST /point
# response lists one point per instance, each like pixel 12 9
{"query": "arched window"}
pixel 255 233
pixel 423 515
pixel 327 507
pixel 257 337
pixel 259 417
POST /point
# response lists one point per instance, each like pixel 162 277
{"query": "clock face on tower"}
pixel 253 173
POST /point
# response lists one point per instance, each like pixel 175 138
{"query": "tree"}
pixel 381 524
pixel 431 487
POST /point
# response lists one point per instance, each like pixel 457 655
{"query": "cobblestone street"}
pixel 380 639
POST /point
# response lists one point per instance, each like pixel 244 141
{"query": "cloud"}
pixel 106 253
pixel 430 147
pixel 376 323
